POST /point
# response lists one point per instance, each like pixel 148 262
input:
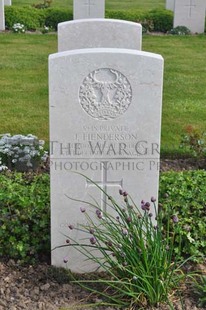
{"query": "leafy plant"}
pixel 200 290
pixel 31 18
pixel 161 19
pixel 185 194
pixel 180 30
pixel 194 142
pixel 24 207
pixel 136 252
pixel 24 221
pixel 21 152
pixel 18 28
pixel 56 16
pixel 45 29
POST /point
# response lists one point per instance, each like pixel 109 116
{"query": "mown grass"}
pixel 184 85
pixel 110 4
pixel 24 84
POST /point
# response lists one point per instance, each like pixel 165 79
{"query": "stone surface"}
pixel 190 13
pixel 7 2
pixel 170 5
pixel 88 9
pixel 91 33
pixel 2 17
pixel 105 119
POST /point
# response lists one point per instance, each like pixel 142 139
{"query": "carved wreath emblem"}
pixel 105 94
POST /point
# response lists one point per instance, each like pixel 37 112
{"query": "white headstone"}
pixel 2 18
pixel 89 33
pixel 105 119
pixel 88 9
pixel 190 13
pixel 170 5
pixel 7 2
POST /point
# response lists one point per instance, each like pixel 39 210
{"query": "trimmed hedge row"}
pixel 25 217
pixel 33 19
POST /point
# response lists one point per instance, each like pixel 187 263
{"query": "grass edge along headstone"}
pixel 88 9
pixel 2 16
pixel 89 33
pixel 191 14
pixel 105 122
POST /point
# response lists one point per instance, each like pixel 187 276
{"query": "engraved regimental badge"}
pixel 105 94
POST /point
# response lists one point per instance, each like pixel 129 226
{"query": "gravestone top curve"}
pixel 99 32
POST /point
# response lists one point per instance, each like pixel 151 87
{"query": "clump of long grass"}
pixel 136 252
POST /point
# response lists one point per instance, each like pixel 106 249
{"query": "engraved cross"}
pixel 104 183
pixel 191 5
pixel 89 3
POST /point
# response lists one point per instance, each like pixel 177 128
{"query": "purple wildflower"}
pixel 121 192
pixel 109 243
pixel 91 231
pixel 125 194
pixel 65 260
pixel 68 241
pixel 71 227
pixel 82 209
pixel 99 214
pixel 93 240
pixel 175 219
pixel 129 219
pixel 124 231
pixel 153 199
pixel 145 206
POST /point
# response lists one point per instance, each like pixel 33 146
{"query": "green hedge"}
pixel 25 217
pixel 32 18
pixel 25 213
pixel 185 194
pixel 56 16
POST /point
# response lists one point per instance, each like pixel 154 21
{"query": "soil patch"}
pixel 48 288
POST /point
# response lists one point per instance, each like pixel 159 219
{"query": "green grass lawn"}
pixel 110 4
pixel 24 84
pixel 184 85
